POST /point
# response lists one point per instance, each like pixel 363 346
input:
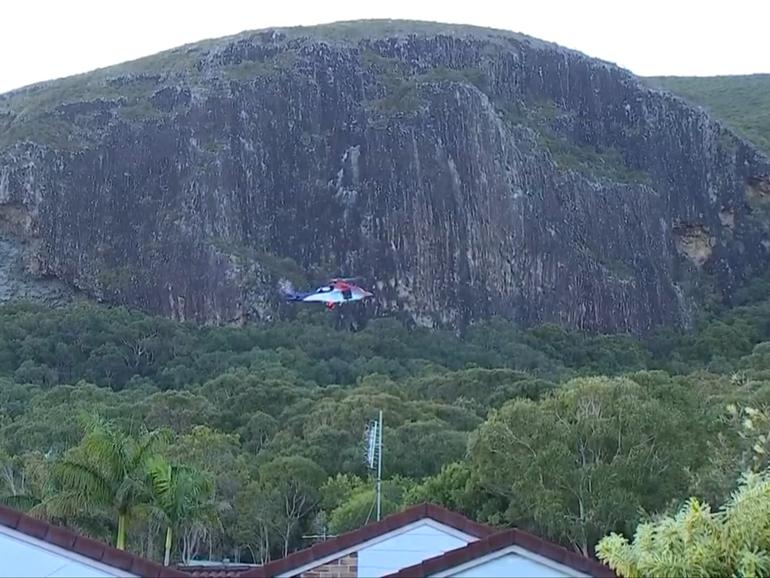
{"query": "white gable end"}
pixel 397 549
pixel 411 545
pixel 23 556
pixel 512 562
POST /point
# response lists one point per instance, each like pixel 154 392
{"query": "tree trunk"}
pixel 150 541
pixel 286 540
pixel 121 541
pixel 266 548
pixel 167 556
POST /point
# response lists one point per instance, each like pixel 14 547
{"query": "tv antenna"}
pixel 374 455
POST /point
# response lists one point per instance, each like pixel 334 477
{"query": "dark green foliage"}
pixel 458 488
pixel 351 501
pixel 722 337
pixel 260 406
pixel 586 458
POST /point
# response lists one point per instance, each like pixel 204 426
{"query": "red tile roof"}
pixel 388 524
pixel 216 571
pixel 93 549
pixel 499 541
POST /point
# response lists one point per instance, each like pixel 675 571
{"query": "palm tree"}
pixel 182 496
pixel 107 471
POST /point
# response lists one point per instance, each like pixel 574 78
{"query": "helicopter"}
pixel 336 291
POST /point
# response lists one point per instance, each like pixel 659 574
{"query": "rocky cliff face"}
pixel 463 172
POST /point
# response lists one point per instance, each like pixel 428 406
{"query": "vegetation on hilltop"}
pixel 742 102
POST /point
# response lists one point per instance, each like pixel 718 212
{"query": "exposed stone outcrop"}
pixel 694 242
pixel 463 172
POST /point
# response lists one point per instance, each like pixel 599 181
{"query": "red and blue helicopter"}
pixel 337 291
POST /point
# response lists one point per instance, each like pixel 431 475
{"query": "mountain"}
pixel 464 172
pixel 742 102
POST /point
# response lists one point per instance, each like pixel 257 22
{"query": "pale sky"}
pixel 44 39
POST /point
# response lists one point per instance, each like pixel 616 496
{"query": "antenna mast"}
pixel 379 466
pixel 374 453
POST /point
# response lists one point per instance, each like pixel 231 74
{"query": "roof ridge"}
pixel 368 532
pixel 70 540
pixel 498 541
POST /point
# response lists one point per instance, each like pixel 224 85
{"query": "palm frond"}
pixel 22 502
pixel 84 480
pixel 68 504
pixel 107 447
pixel 148 447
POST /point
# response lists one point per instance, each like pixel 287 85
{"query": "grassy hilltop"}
pixel 742 102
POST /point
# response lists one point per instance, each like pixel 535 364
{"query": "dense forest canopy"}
pixel 633 425
pixel 177 441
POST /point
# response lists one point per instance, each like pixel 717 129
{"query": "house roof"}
pixel 87 547
pixel 216 571
pixel 368 532
pixel 499 541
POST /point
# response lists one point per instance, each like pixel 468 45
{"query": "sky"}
pixel 45 39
